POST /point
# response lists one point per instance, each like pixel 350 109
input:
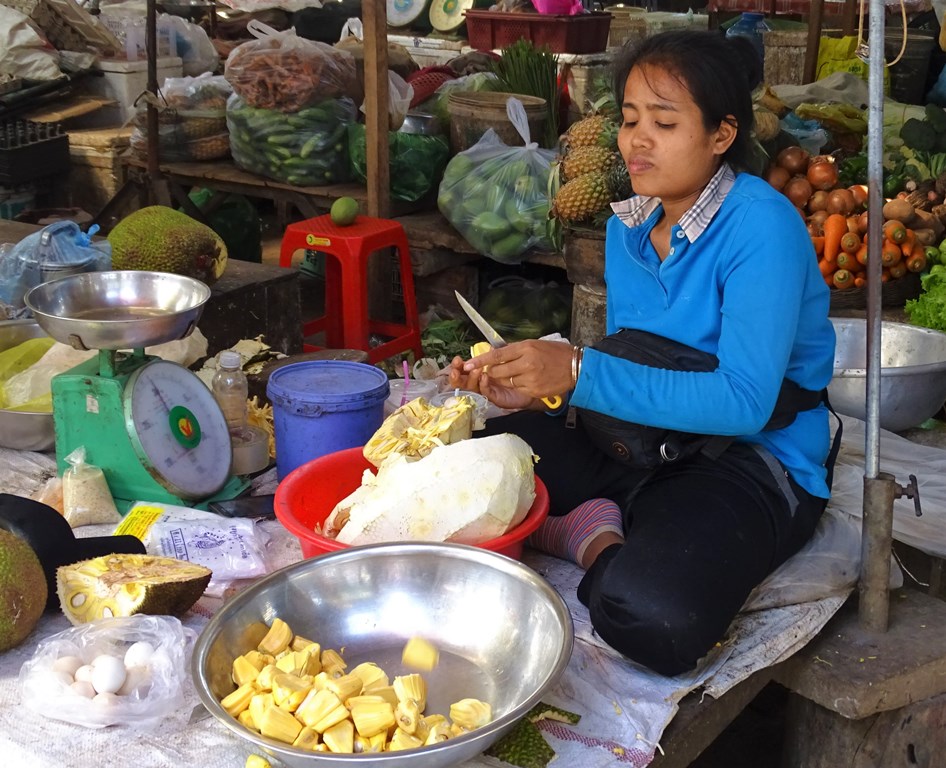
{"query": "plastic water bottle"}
pixel 751 26
pixel 230 390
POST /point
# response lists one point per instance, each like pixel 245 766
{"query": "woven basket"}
pixel 892 294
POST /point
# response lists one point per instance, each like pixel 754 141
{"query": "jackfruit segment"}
pixel 420 654
pixel 123 585
pixel 277 639
pixel 480 348
pixel 417 427
pixel 255 761
pixel 357 712
pixel 524 746
pixel 340 737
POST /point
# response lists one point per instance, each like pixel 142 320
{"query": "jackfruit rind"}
pixel 523 746
pixel 123 585
pixel 23 590
pixel 160 239
pixel 543 711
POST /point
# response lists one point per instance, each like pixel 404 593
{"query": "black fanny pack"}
pixel 644 447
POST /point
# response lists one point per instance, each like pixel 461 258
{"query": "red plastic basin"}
pixel 309 493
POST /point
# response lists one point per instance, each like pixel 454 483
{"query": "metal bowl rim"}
pixel 893 370
pixel 507 564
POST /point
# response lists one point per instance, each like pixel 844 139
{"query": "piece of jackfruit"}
pixel 471 713
pixel 160 239
pixel 417 427
pixel 123 585
pixel 420 654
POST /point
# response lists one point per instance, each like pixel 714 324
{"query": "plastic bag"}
pixel 400 96
pixel 157 690
pixel 193 45
pixel 417 162
pixel 285 72
pixel 304 148
pixel 58 249
pixel 808 134
pixel 522 309
pixel 23 51
pixel 839 54
pixel 496 195
pixel 86 498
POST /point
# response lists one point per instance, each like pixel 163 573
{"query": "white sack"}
pixel 23 53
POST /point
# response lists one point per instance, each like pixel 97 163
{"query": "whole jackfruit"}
pixel 22 590
pixel 160 239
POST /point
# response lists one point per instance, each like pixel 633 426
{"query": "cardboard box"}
pixel 97 172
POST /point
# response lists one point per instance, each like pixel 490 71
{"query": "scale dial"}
pixel 177 429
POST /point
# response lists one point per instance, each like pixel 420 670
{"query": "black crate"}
pixel 31 151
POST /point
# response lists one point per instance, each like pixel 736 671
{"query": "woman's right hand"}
pixel 479 381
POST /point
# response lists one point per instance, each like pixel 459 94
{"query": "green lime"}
pixel 344 211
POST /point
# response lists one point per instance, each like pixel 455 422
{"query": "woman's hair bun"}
pixel 749 62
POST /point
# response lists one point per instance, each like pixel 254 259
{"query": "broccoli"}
pixel 936 117
pixel 918 135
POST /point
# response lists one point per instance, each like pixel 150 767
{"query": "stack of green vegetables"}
pixel 522 68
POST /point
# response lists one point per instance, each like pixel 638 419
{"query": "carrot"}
pixel 898 270
pixel 848 261
pixel 861 255
pixel 890 254
pixel 895 231
pixel 818 243
pixel 860 281
pixel 850 242
pixel 908 244
pixel 916 263
pixel 843 280
pixel 834 228
pixel 826 267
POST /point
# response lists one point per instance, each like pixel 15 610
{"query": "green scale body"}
pixel 151 425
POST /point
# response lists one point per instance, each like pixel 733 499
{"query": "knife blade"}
pixel 495 340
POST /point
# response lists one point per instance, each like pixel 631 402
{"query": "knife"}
pixel 496 341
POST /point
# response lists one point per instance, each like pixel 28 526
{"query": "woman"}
pixel 713 258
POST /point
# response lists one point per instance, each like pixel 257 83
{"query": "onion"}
pixel 823 173
pixel 793 159
pixel 862 224
pixel 818 217
pixel 798 190
pixel 818 200
pixel 777 177
pixel 840 201
pixel 814 228
pixel 860 194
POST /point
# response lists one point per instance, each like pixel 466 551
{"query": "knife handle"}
pixel 554 402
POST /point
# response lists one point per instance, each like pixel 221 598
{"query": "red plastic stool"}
pixel 346 323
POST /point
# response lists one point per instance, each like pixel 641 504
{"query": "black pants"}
pixel 700 536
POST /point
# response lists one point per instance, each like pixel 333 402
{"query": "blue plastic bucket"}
pixel 323 406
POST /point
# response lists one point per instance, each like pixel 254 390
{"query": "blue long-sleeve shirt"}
pixel 745 286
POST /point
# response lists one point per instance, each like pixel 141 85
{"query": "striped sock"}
pixel 567 536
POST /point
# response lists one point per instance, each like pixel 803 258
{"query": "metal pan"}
pixel 123 309
pixel 24 430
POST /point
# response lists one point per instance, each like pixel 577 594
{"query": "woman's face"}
pixel 668 150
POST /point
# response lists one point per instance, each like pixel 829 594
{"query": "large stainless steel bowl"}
pixel 124 309
pixel 912 372
pixel 504 635
pixel 24 430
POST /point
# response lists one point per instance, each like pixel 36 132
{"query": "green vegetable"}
pixel 918 134
pixel 929 310
pixel 853 170
pixel 523 68
pixel 936 117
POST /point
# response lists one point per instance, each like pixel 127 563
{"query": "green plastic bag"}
pixel 237 222
pixel 417 162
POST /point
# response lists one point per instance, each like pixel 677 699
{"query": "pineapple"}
pixel 586 159
pixel 582 198
pixel 619 180
pixel 596 130
pixel 122 585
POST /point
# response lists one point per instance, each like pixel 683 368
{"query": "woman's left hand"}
pixel 532 367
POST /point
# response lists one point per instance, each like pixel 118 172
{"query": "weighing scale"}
pixel 151 425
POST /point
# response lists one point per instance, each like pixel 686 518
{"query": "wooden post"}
pixel 374 18
pixel 814 40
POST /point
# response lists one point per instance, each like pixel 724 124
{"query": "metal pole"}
pixel 878 497
pixel 151 50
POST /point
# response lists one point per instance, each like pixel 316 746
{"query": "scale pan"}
pixel 124 309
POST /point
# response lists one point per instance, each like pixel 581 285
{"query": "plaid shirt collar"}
pixel 635 210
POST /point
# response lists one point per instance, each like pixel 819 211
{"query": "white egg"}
pixel 137 682
pixel 108 674
pixel 139 654
pixel 105 699
pixel 67 664
pixel 82 688
pixel 84 674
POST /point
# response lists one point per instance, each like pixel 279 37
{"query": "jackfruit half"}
pixel 159 239
pixel 417 427
pixel 123 585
